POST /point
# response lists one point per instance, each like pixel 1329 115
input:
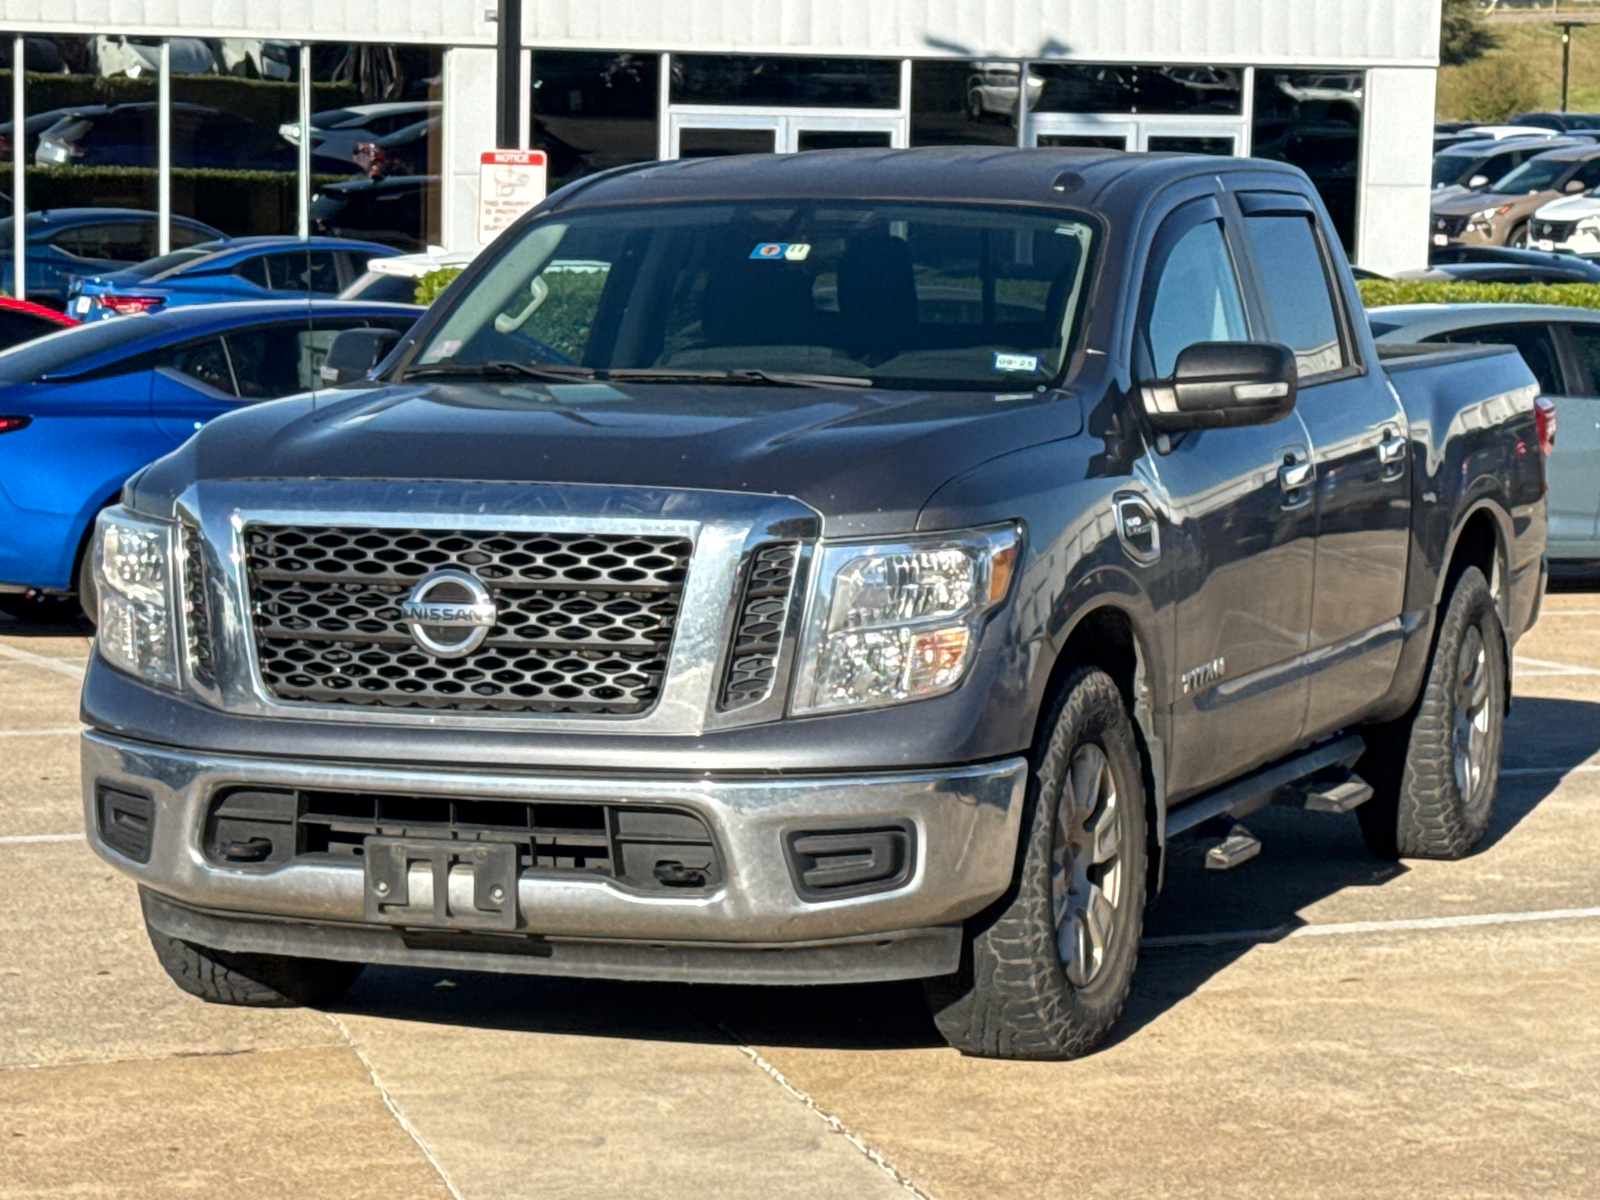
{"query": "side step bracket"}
pixel 1256 790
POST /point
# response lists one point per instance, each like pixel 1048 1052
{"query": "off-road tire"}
pixel 1417 809
pixel 88 590
pixel 1011 997
pixel 252 980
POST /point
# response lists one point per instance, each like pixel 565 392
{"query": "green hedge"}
pixel 433 283
pixel 1378 292
pixel 562 322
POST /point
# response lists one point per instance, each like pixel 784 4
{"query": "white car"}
pixel 395 279
pixel 1500 132
pixel 1570 223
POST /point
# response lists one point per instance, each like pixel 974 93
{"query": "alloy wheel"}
pixel 1086 875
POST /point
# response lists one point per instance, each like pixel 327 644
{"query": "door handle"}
pixel 1392 448
pixel 1294 476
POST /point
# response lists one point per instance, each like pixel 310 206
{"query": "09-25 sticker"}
pixel 782 251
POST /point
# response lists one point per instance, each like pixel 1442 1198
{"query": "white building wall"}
pixel 1396 169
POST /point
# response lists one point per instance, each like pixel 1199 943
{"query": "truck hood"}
pixel 867 460
pixel 1471 202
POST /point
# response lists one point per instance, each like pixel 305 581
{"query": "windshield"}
pixel 375 285
pixel 1535 175
pixel 904 295
pixel 1447 168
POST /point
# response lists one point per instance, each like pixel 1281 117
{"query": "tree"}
pixel 1463 37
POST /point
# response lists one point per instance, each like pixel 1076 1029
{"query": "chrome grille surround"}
pixel 724 530
pixel 585 622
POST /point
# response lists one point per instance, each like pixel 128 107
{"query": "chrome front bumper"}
pixel 966 822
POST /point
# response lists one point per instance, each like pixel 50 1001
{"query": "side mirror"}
pixel 1477 181
pixel 354 352
pixel 1218 384
pixel 1574 186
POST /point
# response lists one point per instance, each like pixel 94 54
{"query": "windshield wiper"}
pixel 740 376
pixel 554 371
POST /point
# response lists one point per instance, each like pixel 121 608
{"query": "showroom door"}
pixel 1188 135
pixel 708 134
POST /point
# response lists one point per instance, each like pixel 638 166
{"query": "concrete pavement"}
pixel 1314 1023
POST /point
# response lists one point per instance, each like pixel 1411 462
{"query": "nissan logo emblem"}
pixel 449 613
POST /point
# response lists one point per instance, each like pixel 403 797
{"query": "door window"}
pixel 1294 278
pixel 127 241
pixel 253 270
pixel 1588 174
pixel 280 360
pixel 1587 340
pixel 1197 298
pixel 1534 341
pixel 312 271
pixel 206 362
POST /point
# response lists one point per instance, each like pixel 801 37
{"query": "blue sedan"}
pixel 82 410
pixel 67 242
pixel 248 268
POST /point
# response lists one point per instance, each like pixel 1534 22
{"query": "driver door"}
pixel 1239 530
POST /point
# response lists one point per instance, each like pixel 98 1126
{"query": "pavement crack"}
pixel 394 1109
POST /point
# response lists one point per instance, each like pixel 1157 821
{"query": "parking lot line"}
pixel 23 839
pixel 1545 665
pixel 1402 925
pixel 49 731
pixel 67 666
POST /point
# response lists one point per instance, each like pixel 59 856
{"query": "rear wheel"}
pixel 1045 971
pixel 1434 776
pixel 1518 239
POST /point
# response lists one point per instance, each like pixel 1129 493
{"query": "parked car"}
pixel 1561 346
pixel 1474 165
pixel 258 58
pixel 403 152
pixel 125 135
pixel 22 321
pixel 395 279
pixel 1500 214
pixel 251 268
pixel 65 242
pixel 1562 268
pixel 809 597
pixel 335 133
pixel 82 410
pixel 1459 253
pixel 1559 122
pixel 117 54
pixel 1568 223
pixel 992 89
pixel 1500 132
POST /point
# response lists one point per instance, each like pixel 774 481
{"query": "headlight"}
pixel 1589 224
pixel 897 622
pixel 1486 214
pixel 133 565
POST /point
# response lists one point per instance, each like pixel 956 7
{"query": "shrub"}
pixel 433 283
pixel 1378 292
pixel 1488 89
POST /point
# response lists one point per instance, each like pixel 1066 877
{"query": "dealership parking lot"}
pixel 1314 1023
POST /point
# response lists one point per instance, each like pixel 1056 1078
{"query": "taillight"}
pixel 1544 423
pixel 127 306
pixel 12 424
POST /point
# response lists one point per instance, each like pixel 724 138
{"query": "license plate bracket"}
pixel 390 883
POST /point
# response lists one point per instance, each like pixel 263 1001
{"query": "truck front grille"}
pixel 584 621
pixel 197 609
pixel 1450 226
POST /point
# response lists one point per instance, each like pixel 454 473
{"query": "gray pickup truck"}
pixel 840 567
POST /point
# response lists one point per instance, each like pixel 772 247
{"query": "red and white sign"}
pixel 510 182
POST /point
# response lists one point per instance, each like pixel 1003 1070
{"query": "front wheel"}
pixel 1046 970
pixel 1434 777
pixel 1518 238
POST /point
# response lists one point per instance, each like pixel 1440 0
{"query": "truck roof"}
pixel 1052 177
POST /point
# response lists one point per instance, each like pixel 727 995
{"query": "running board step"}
pixel 1337 798
pixel 1256 790
pixel 1239 846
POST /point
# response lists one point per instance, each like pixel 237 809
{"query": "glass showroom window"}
pixel 233 168
pixel 592 110
pixel 376 144
pixel 780 82
pixel 1313 120
pixel 961 103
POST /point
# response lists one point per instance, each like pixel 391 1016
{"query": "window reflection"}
pixel 376 144
pixel 594 111
pixel 797 82
pixel 1313 120
pixel 962 103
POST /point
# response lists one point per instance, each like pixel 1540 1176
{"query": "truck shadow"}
pixel 1306 858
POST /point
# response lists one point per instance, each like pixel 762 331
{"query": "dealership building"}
pixel 368 118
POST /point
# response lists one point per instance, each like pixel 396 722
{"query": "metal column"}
pixel 508 76
pixel 303 167
pixel 19 169
pixel 164 151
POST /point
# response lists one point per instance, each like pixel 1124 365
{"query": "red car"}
pixel 22 321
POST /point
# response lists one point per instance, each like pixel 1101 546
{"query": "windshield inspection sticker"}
pixel 788 251
pixel 1015 362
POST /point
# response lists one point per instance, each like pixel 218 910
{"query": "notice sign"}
pixel 510 182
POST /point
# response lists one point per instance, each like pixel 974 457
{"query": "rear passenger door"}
pixel 1360 454
pixel 193 382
